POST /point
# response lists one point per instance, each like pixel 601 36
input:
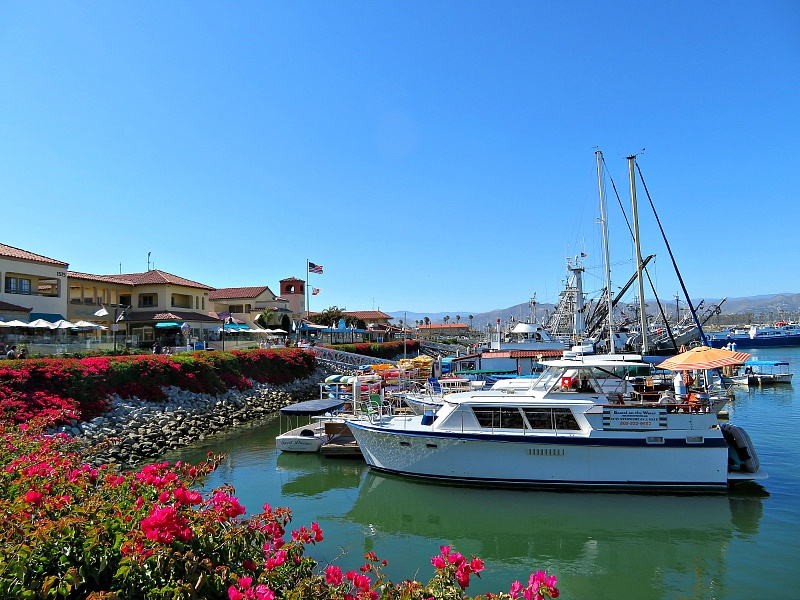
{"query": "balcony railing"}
pixel 43 294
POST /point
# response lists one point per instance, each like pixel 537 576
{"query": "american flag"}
pixel 315 291
pixel 313 268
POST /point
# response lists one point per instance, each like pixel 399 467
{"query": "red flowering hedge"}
pixel 54 388
pixel 74 531
pixel 387 350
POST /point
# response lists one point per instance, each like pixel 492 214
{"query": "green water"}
pixel 743 544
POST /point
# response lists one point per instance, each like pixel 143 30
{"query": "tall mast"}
pixel 606 257
pixel 635 215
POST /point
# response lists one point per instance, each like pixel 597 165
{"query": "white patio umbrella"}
pixel 40 324
pixel 89 325
pixel 14 323
pixel 63 324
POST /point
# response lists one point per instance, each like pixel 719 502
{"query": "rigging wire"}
pixel 646 271
pixel 674 264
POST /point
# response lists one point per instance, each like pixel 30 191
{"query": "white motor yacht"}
pixel 571 426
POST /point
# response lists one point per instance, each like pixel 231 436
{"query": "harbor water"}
pixel 737 545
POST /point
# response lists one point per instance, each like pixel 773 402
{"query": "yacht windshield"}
pixel 548 378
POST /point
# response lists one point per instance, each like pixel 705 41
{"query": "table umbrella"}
pixel 703 358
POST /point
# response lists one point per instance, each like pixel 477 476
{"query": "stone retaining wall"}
pixel 135 430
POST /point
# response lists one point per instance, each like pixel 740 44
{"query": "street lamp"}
pixel 117 319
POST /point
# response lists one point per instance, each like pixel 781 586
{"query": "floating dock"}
pixel 340 441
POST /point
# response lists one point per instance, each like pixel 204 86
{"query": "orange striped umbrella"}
pixel 703 358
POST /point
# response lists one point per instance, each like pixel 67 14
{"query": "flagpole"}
pixel 306 291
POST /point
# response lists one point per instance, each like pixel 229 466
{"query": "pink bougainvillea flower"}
pixel 333 575
pixel 33 497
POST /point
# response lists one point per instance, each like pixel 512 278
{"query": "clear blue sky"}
pixel 432 156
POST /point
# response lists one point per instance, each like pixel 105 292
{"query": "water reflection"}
pixel 639 542
pixel 310 475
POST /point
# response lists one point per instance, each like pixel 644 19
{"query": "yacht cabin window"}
pixel 499 417
pixel 509 417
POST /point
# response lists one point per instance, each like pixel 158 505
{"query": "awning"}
pixel 312 407
pixel 52 317
pixel 168 325
pixel 703 358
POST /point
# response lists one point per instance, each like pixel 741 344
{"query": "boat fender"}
pixel 741 452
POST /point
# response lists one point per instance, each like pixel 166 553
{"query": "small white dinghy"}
pixel 308 437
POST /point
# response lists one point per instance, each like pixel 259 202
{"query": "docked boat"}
pixel 757 336
pixel 570 427
pixel 763 372
pixel 310 436
pixel 431 396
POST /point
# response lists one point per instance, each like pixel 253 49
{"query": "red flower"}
pixel 34 498
pixel 333 575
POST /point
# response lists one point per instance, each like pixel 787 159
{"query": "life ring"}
pixel 567 382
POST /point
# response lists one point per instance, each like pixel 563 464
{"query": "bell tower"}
pixel 294 290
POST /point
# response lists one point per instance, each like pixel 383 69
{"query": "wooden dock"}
pixel 340 441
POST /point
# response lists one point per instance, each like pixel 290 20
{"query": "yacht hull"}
pixel 546 461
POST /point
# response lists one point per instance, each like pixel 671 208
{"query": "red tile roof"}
pixel 103 278
pixel 13 307
pixel 157 277
pixel 291 279
pixel 11 252
pixel 237 292
pixel 153 277
pixel 524 354
pixel 367 314
pixel 173 315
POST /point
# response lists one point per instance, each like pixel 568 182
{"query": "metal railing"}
pixel 435 348
pixel 347 359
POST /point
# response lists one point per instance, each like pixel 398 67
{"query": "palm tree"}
pixel 446 319
pixel 427 320
pixel 458 318
pixel 470 322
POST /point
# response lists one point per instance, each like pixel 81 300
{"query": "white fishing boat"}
pixel 571 427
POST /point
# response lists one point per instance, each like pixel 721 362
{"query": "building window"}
pixel 146 300
pixel 235 308
pixel 181 301
pixel 18 285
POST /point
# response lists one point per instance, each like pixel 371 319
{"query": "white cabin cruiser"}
pixel 570 427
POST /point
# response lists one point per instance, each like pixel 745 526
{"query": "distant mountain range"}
pixel 781 305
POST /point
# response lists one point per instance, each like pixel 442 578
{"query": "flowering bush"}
pixel 74 531
pixel 379 350
pixel 79 388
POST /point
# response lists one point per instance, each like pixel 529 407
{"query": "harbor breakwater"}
pixel 134 431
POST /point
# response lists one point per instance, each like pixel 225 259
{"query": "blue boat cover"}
pixel 312 407
pixel 766 363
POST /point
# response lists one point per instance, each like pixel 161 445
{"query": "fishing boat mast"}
pixel 606 258
pixel 635 216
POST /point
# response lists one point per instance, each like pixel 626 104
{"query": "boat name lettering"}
pixel 634 418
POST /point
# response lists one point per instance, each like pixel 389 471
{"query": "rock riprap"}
pixel 135 430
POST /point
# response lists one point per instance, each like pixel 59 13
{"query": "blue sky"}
pixel 431 156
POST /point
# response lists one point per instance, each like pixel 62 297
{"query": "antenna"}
pixel 148 261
